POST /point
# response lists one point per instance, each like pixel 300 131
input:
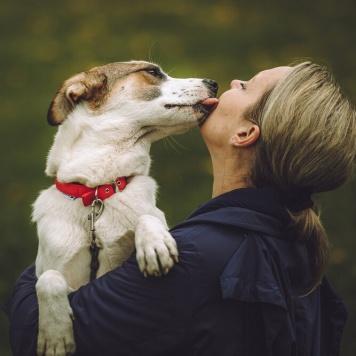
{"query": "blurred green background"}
pixel 45 42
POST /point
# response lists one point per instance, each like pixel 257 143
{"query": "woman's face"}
pixel 224 121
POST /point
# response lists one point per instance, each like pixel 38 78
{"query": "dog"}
pixel 103 205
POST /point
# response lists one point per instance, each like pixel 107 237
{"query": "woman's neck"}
pixel 230 174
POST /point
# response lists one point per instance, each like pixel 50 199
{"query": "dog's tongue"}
pixel 210 101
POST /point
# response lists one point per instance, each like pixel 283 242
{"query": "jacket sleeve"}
pixel 22 312
pixel 120 313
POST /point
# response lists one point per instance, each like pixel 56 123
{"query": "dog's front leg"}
pixel 55 334
pixel 156 250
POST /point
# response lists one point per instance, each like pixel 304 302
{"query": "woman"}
pixel 252 259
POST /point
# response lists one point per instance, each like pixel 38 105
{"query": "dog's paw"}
pixel 55 327
pixel 56 338
pixel 156 250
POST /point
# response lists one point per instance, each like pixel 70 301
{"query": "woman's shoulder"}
pixel 228 221
pixel 248 246
pixel 216 237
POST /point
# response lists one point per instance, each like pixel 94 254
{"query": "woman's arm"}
pixel 134 315
pixel 121 311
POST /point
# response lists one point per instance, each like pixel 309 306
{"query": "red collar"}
pixel 77 190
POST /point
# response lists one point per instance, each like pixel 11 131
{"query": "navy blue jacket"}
pixel 237 290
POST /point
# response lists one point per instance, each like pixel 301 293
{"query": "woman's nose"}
pixel 236 84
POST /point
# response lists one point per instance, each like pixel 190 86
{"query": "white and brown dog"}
pixel 108 116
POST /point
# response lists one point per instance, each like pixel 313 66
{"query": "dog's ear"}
pixel 83 86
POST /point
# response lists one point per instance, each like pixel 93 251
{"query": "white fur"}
pixel 94 147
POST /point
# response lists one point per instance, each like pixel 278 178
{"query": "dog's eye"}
pixel 155 72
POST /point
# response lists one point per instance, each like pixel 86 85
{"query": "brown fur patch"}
pixel 94 86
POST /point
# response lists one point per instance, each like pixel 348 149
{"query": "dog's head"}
pixel 138 94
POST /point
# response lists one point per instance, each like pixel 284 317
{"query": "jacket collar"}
pixel 235 207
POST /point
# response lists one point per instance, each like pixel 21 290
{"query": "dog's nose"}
pixel 212 84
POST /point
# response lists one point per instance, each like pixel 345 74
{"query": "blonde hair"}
pixel 307 145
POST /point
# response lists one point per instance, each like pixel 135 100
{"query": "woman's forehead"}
pixel 273 74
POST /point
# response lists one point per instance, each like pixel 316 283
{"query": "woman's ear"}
pixel 247 135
